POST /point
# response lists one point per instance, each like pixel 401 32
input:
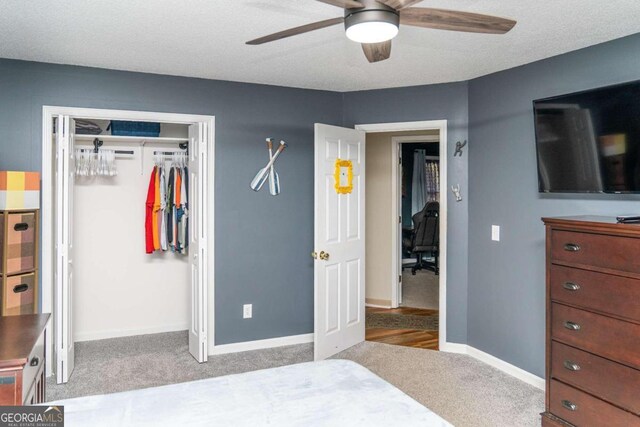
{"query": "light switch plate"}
pixel 495 233
pixel 247 311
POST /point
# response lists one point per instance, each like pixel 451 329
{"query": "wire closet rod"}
pixel 167 153
pixel 115 151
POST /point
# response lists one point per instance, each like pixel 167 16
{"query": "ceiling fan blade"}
pixel 345 4
pixel 399 4
pixel 297 30
pixel 376 52
pixel 441 19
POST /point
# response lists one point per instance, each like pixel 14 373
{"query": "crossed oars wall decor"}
pixel 268 172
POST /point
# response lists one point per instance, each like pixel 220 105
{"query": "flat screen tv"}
pixel 589 142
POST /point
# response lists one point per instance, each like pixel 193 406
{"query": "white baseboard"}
pixel 452 347
pixel 500 364
pixel 377 306
pixel 260 344
pixel 120 333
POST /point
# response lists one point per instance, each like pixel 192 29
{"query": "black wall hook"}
pixel 96 145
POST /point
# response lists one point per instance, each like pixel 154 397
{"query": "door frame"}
pixel 48 189
pixel 396 269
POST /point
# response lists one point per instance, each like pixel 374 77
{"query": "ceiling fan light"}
pixel 372 32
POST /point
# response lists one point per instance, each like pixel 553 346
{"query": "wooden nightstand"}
pixel 22 359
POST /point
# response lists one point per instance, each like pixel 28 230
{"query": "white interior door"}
pixel 339 316
pixel 65 170
pixel 197 210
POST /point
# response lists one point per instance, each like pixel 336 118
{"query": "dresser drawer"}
pixel 33 366
pixel 611 338
pixel 18 242
pixel 598 250
pixel 600 377
pixel 605 293
pixel 19 295
pixel 582 409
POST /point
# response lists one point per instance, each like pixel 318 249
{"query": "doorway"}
pixel 418 200
pixel 405 310
pixel 61 147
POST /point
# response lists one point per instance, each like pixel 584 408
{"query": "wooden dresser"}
pixel 593 322
pixel 22 360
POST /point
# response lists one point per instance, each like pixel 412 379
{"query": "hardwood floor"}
pixel 418 338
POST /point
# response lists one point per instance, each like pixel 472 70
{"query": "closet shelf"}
pixel 130 139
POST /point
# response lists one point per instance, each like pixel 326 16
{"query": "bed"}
pixel 326 393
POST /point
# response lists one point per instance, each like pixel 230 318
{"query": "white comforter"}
pixel 327 393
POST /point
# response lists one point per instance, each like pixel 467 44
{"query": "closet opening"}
pixel 130 228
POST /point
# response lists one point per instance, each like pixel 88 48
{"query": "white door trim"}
pixel 47 247
pixel 441 127
pixel 396 210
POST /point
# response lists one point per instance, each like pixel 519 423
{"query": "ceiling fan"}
pixel 373 23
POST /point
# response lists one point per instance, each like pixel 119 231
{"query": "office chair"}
pixel 426 225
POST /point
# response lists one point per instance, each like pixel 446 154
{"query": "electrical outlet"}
pixel 495 233
pixel 247 311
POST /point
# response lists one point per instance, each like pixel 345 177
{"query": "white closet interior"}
pixel 120 290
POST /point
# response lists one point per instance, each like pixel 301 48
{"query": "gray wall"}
pixel 495 298
pixel 435 102
pixel 256 234
pixel 506 278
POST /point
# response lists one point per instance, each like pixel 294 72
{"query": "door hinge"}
pixel 400 220
pixel 400 160
pixel 400 278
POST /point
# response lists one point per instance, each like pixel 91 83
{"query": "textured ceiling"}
pixel 205 38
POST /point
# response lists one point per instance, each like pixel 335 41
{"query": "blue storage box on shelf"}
pixel 124 128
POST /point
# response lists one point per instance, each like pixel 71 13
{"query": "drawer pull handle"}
pixel 35 361
pixel 571 247
pixel 567 404
pixel 571 286
pixel 21 226
pixel 23 287
pixel 572 326
pixel 572 366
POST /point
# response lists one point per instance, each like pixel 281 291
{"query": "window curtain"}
pixel 419 182
pixel 432 177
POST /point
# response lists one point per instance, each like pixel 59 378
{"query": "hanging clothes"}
pixel 148 221
pixel 183 235
pixel 163 208
pixel 169 213
pixel 166 221
pixel 156 211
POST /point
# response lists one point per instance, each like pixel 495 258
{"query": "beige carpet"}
pixel 460 389
pixel 421 290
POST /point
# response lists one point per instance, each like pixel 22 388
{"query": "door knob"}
pixel 324 255
pixel 314 255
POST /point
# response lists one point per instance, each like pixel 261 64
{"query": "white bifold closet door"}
pixel 339 317
pixel 65 170
pixel 198 233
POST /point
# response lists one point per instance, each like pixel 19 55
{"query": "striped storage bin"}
pixel 17 242
pixel 19 190
pixel 19 295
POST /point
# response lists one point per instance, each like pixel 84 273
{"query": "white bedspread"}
pixel 327 393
